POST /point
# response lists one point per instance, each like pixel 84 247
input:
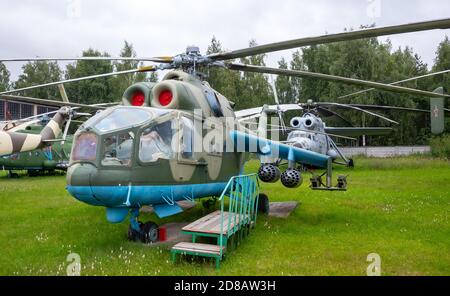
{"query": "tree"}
pixel 367 59
pixel 226 82
pixel 153 77
pixel 122 82
pixel 39 72
pixel 4 77
pixel 256 89
pixel 442 62
pixel 284 86
pixel 93 91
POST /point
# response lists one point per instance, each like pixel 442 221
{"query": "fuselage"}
pixel 130 156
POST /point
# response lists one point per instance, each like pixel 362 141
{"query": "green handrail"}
pixel 242 192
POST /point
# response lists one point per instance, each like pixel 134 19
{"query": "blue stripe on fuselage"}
pixel 117 196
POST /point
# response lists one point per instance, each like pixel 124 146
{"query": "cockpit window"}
pixel 187 138
pixel 156 142
pixel 117 149
pixel 122 117
pixel 85 147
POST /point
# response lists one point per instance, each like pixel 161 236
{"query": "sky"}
pixel 63 28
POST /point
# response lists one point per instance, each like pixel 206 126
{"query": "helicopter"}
pixel 310 132
pixel 178 139
pixel 47 159
pixel 55 155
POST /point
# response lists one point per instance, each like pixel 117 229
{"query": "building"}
pixel 18 110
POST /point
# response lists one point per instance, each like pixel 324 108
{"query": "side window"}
pixel 187 138
pixel 156 142
pixel 117 149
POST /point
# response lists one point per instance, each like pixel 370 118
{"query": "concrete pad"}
pixel 173 234
pixel 282 209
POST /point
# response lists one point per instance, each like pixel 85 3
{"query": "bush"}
pixel 440 146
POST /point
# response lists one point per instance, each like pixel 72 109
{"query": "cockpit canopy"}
pixel 121 117
pixel 111 137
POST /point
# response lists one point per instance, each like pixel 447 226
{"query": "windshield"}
pixel 85 147
pixel 123 117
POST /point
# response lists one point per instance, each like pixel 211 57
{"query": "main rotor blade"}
pixel 299 73
pixel 357 109
pixel 379 107
pixel 309 131
pixel 397 82
pixel 359 131
pixel 141 69
pixel 328 38
pixel 51 102
pixel 151 59
pixel 327 112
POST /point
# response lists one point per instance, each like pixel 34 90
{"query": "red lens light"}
pixel 165 97
pixel 138 98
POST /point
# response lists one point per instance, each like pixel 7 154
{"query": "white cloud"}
pixel 44 28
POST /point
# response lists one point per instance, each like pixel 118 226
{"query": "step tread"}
pixel 198 248
pixel 211 223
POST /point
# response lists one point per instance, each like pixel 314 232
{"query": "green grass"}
pixel 398 208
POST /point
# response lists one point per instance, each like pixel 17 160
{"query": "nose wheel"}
pixel 147 233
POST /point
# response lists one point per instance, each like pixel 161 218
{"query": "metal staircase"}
pixel 227 227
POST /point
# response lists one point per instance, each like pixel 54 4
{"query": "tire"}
pixel 263 204
pixel 351 163
pixel 149 233
pixel 132 234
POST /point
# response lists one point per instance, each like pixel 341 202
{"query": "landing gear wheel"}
pixel 134 235
pixel 149 233
pixel 209 203
pixel 263 204
pixel 351 163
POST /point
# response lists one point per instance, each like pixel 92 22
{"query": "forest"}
pixel 368 59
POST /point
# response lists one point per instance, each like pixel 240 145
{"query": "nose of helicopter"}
pixel 78 183
pixel 303 143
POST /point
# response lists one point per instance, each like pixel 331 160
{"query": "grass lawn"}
pixel 398 208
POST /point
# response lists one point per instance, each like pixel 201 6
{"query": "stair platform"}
pixel 231 226
pixel 211 223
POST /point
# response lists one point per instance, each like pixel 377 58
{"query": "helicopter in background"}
pixel 55 154
pixel 310 132
pixel 43 160
pixel 143 152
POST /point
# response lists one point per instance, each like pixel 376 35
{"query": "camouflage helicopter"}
pixel 42 160
pixel 144 151
pixel 52 156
